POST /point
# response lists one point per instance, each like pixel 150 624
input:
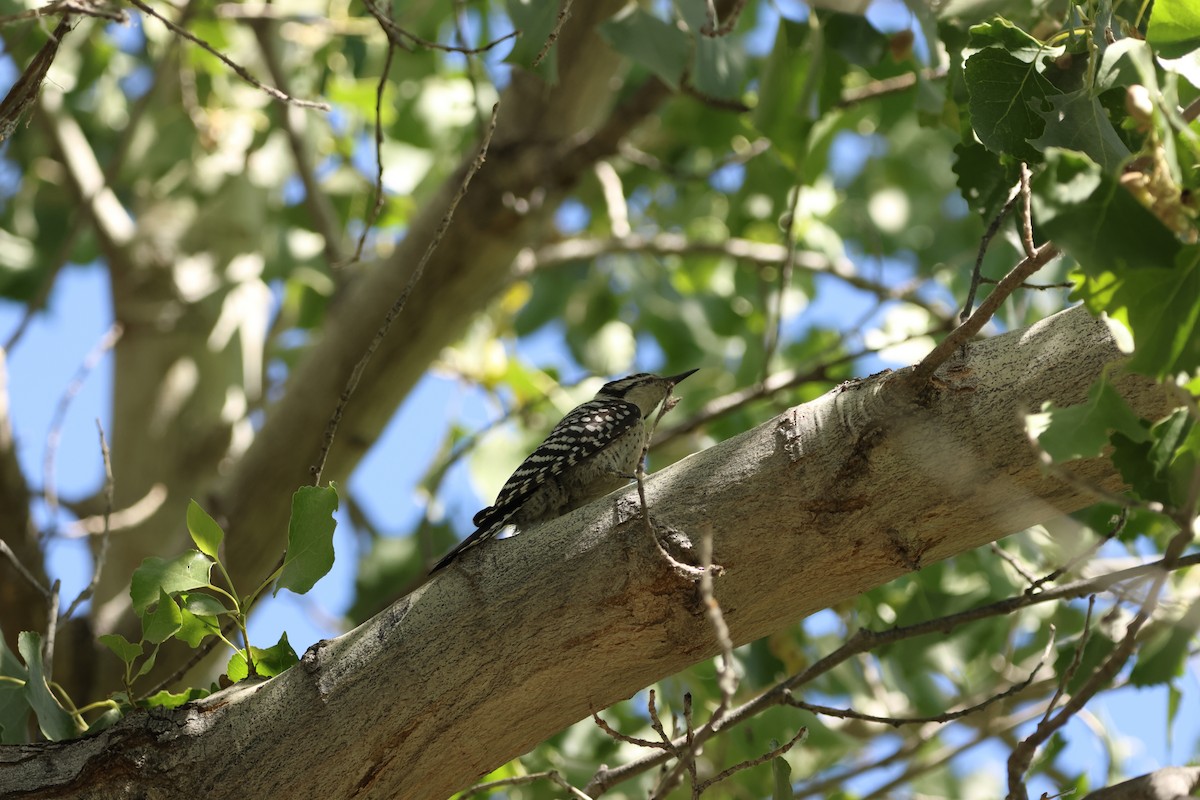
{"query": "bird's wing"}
pixel 581 434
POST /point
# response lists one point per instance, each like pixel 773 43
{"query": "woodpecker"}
pixel 592 451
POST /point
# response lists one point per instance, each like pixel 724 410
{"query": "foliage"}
pixel 804 208
pixel 177 599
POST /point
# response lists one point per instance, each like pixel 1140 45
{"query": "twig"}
pixel 401 301
pixel 1069 672
pixel 1012 561
pixel 29 577
pixel 1022 755
pixel 984 242
pixel 1118 525
pixel 774 323
pixel 627 739
pixel 644 159
pixel 377 206
pixel 552 775
pixel 712 30
pixel 921 374
pixel 564 12
pixel 800 736
pixel 865 640
pixel 726 675
pixel 237 68
pixel 760 253
pixel 51 630
pixel 54 435
pixel 1026 212
pixel 24 92
pixel 68 7
pixel 656 723
pixel 102 551
pixel 779 382
pixel 614 198
pixel 948 716
pixel 886 86
pixel 402 38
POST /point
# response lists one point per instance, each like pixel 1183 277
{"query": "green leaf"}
pixel 203 605
pixel 148 664
pixel 535 20
pixel 787 101
pixel 106 720
pixel 983 178
pixel 781 772
pixel 53 720
pixel 1162 468
pixel 1081 431
pixel 165 699
pixel 14 707
pixel 658 46
pixel 1005 93
pixel 124 649
pixel 718 68
pixel 161 623
pixel 310 538
pixel 999 32
pixel 188 571
pixel 1097 222
pixel 1077 121
pixel 1175 23
pixel 195 628
pixel 1165 317
pixel 205 531
pixel 268 662
pixel 1165 655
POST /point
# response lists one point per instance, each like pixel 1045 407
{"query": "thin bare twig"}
pixel 712 30
pixel 887 86
pixel 774 323
pixel 948 716
pixel 960 335
pixel 1076 659
pixel 82 8
pixel 1117 525
pixel 626 738
pixel 984 242
pixel 552 775
pixel 1022 755
pixel 377 205
pixel 564 12
pixel 865 640
pixel 237 68
pixel 1012 561
pixel 800 736
pixel 404 39
pixel 54 436
pixel 102 552
pixel 1026 212
pixel 30 578
pixel 644 159
pixel 401 301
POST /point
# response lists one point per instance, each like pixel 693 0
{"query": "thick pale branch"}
pixel 532 633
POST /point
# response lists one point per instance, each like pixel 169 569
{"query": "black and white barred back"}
pixel 592 451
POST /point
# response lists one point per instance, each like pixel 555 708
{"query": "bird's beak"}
pixel 675 379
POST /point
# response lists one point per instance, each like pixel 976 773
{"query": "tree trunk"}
pixel 527 635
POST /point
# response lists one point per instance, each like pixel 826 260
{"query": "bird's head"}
pixel 645 390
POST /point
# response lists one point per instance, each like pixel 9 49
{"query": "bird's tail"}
pixel 481 535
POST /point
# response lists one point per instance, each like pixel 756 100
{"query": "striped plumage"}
pixel 592 451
